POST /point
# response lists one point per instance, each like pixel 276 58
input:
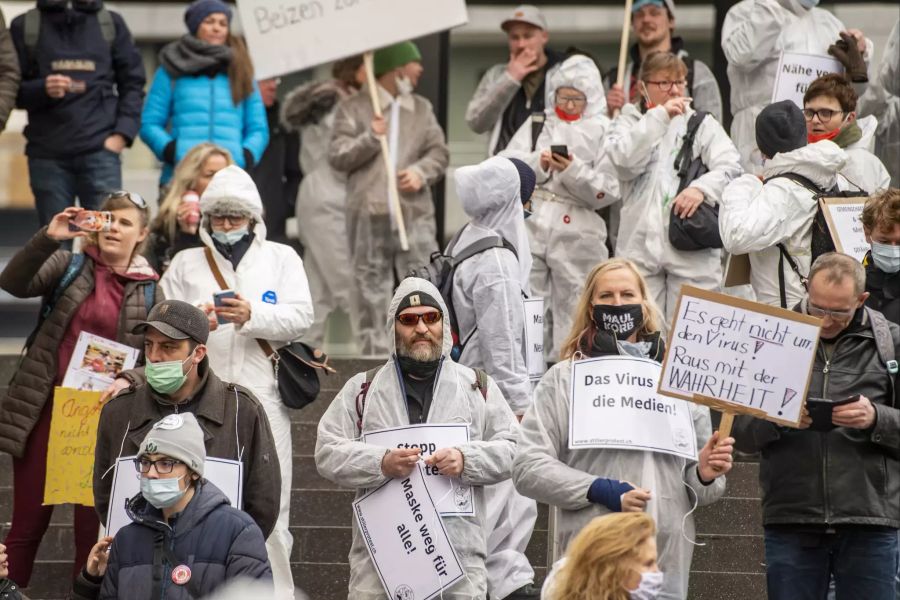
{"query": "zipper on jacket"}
pixel 822 436
pixel 212 107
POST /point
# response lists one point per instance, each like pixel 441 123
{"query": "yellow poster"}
pixel 70 453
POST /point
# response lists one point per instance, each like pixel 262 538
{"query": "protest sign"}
pixel 534 337
pixel 615 404
pixel 227 475
pixel 796 71
pixel 96 361
pixel 452 496
pixel 844 221
pixel 739 357
pixel 406 539
pixel 70 449
pixel 287 37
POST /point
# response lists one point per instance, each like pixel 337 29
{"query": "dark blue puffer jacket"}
pixel 217 542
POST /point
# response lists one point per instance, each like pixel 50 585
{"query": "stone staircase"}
pixel 728 567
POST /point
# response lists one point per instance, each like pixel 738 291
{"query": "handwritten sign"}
pixel 406 539
pixel 739 356
pixel 796 71
pixel 844 221
pixel 287 37
pixel 452 496
pixel 70 450
pixel 534 338
pixel 615 404
pixel 227 475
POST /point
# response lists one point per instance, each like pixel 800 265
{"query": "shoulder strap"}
pixel 801 180
pixel 107 25
pixel 481 382
pixel 149 295
pixel 537 125
pixel 480 246
pixel 683 159
pixel 885 344
pixel 689 63
pixel 76 263
pixel 361 396
pixel 786 256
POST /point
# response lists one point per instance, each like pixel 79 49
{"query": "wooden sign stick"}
pixel 393 194
pixel 725 425
pixel 623 48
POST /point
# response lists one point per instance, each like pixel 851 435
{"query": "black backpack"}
pixel 821 241
pixel 440 273
pixel 32 34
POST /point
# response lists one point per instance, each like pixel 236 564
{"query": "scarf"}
pixel 190 56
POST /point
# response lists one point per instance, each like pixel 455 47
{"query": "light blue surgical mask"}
pixel 808 4
pixel 650 587
pixel 162 493
pixel 886 257
pixel 229 238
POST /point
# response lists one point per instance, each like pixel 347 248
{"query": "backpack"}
pixel 32 34
pixel 480 384
pixel 884 344
pixel 440 272
pixel 821 240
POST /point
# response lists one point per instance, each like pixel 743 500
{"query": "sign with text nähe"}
pixel 406 539
pixel 739 357
pixel 796 71
pixel 615 404
pixel 284 37
pixel 844 221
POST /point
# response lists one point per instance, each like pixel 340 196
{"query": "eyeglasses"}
pixel 837 315
pixel 824 114
pixel 576 100
pixel 163 466
pixel 233 220
pixel 412 319
pixel 666 85
pixel 135 198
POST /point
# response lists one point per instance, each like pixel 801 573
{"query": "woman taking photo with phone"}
pixel 616 317
pixel 106 291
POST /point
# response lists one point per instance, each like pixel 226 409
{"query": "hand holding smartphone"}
pixel 560 150
pixel 91 221
pixel 218 297
pixel 819 410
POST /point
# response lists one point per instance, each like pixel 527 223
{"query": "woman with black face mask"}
pixel 616 316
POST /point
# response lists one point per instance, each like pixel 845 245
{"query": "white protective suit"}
pixel 567 236
pixel 321 205
pixel 548 471
pixel 487 296
pixel 754 217
pixel 271 277
pixel 754 35
pixel 642 149
pixel 863 168
pixel 882 99
pixel 342 458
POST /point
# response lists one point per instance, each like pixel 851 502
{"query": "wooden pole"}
pixel 623 48
pixel 393 194
pixel 725 425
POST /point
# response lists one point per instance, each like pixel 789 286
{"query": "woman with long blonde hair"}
pixel 616 316
pixel 175 226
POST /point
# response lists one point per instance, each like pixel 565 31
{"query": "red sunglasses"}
pixel 412 319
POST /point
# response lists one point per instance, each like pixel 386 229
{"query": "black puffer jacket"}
pixel 845 476
pixel 217 542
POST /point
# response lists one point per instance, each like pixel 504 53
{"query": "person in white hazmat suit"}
pixel 566 234
pixel 272 303
pixel 322 198
pixel 488 292
pixel 419 384
pixel 754 35
pixel 882 100
pixel 641 145
pixel 616 316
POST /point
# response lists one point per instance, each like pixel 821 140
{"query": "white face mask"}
pixel 230 237
pixel 649 588
pixel 404 85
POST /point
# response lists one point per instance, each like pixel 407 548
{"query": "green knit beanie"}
pixel 395 56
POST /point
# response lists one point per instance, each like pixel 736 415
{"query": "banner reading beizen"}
pixel 796 71
pixel 290 36
pixel 615 404
pixel 739 356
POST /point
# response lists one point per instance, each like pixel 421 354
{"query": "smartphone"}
pixel 819 410
pixel 217 302
pixel 91 220
pixel 561 150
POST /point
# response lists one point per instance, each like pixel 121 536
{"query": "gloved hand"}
pixel 848 54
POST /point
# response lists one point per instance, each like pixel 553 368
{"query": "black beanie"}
pixel 780 127
pixel 418 298
pixel 527 179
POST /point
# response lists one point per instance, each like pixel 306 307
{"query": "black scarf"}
pixel 190 56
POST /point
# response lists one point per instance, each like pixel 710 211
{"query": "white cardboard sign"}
pixel 406 539
pixel 227 475
pixel 453 497
pixel 739 356
pixel 844 220
pixel 615 404
pixel 534 338
pixel 796 71
pixel 288 37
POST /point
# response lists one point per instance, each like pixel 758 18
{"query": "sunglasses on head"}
pixel 135 198
pixel 412 319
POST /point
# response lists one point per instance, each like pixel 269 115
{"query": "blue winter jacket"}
pixel 193 109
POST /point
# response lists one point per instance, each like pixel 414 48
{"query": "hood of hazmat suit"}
pixel 882 99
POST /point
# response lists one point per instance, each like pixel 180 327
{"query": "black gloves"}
pixel 848 54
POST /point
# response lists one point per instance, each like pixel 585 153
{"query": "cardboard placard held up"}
pixel 740 357
pixel 70 450
pixel 844 222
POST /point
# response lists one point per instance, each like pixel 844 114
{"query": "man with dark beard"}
pixel 419 385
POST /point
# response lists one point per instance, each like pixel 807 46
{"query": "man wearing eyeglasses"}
pixel 831 495
pixel 178 380
pixel 419 384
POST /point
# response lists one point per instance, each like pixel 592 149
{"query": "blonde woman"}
pixel 175 227
pixel 616 316
pixel 613 558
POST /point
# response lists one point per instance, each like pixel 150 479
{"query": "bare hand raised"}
pixel 522 64
pixel 399 462
pixel 58 228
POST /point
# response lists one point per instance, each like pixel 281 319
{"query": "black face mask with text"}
pixel 621 320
